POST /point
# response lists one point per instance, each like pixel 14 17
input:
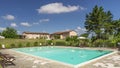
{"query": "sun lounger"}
pixel 7 59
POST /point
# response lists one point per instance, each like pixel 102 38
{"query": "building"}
pixel 63 35
pixel 35 35
pixel 56 35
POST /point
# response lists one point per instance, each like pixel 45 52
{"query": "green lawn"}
pixel 16 42
pixel 0 64
pixel 9 43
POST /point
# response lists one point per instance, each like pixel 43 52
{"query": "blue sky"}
pixel 50 15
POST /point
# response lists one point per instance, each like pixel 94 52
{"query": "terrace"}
pixel 22 60
pixel 89 40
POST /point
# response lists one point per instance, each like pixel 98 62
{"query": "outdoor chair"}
pixel 7 59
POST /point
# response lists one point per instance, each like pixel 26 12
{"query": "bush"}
pixel 107 43
pixel 76 44
pixel 0 66
pixel 113 43
pixel 13 45
pixel 0 45
pixel 28 44
pixel 20 45
pixel 49 42
pixel 117 40
pixel 8 46
pixel 35 44
pixel 72 41
pixel 60 43
pixel 98 43
pixel 85 42
pixel 82 43
pixel 42 42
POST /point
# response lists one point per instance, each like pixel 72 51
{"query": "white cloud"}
pixel 56 8
pixel 35 23
pixel 44 20
pixel 1 28
pixel 82 8
pixel 67 29
pixel 13 25
pixel 25 24
pixel 9 17
pixel 41 21
pixel 80 30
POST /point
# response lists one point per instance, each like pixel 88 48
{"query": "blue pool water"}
pixel 72 56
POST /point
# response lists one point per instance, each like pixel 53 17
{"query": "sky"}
pixel 51 15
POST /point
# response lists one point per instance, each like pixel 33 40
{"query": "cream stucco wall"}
pixel 69 34
pixel 35 36
pixel 72 33
pixel 62 35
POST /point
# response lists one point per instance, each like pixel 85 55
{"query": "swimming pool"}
pixel 73 56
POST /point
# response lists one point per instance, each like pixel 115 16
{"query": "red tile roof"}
pixel 36 33
pixel 62 32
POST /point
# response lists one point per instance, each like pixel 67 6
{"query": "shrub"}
pixel 72 41
pixel 49 42
pixel 76 44
pixel 82 43
pixel 113 43
pixel 0 66
pixel 89 43
pixel 8 46
pixel 60 43
pixel 98 43
pixel 117 40
pixel 0 45
pixel 20 45
pixel 28 44
pixel 13 45
pixel 85 42
pixel 42 42
pixel 107 43
pixel 35 44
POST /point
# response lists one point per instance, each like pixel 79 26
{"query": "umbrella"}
pixel 81 38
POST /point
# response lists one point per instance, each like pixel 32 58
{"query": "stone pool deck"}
pixel 27 61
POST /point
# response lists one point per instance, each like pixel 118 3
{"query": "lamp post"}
pixel 118 46
pixel 3 46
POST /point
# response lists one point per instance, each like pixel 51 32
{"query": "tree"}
pixel 85 35
pixel 9 33
pixel 99 22
pixel 117 27
pixel 108 24
pixel 57 36
pixel 72 41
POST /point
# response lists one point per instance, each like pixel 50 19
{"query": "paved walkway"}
pixel 108 62
pixel 25 61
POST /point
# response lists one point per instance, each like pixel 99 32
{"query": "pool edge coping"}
pixel 96 59
pixel 38 57
pixel 75 66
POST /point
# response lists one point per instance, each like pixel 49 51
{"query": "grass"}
pixel 15 42
pixel 11 43
pixel 0 64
